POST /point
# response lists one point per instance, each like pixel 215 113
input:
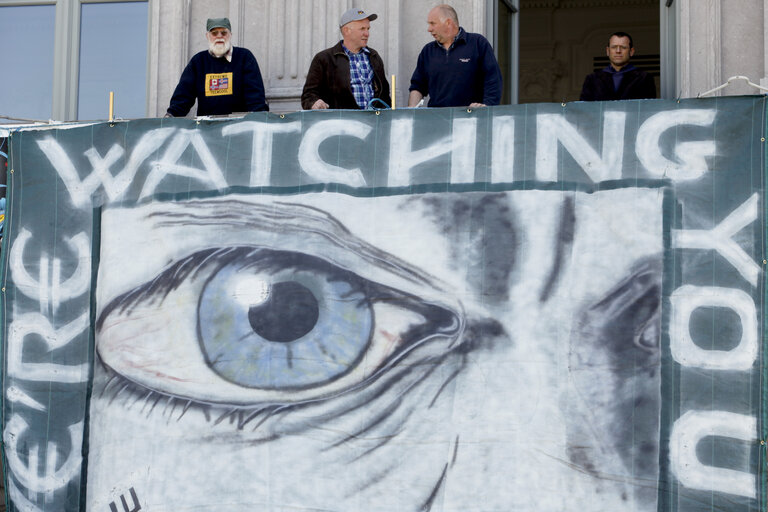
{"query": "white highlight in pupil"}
pixel 250 291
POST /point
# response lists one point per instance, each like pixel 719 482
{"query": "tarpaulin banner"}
pixel 531 308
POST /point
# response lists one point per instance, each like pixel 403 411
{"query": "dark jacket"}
pixel 465 73
pixel 635 85
pixel 328 79
pixel 245 92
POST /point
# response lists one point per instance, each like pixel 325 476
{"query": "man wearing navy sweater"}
pixel 223 79
pixel 458 68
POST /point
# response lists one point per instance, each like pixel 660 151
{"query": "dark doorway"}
pixel 561 41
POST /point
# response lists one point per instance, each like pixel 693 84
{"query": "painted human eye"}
pixel 282 328
pixel 251 325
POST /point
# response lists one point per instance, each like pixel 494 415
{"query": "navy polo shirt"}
pixel 465 73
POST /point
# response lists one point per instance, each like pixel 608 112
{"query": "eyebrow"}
pixel 287 221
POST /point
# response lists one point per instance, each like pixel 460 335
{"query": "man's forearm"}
pixel 414 98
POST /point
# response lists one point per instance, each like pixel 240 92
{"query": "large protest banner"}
pixel 530 308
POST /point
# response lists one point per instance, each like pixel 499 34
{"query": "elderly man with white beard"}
pixel 223 79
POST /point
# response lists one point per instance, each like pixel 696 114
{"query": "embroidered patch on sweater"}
pixel 218 84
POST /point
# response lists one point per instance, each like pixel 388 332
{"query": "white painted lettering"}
pixel 20 502
pixel 689 430
pixel 691 156
pixel 720 238
pixel 17 396
pixel 309 151
pixel 688 298
pixel 403 158
pixel 463 148
pixel 28 473
pixel 503 150
pixel 48 289
pixel 211 176
pixel 35 323
pixel 553 128
pixel 115 187
pixel 261 149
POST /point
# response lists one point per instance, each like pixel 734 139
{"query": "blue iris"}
pixel 283 320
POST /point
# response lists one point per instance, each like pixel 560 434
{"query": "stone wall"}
pixel 720 39
pixel 715 39
pixel 285 35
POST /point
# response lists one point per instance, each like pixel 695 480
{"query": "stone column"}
pixel 700 46
pixel 720 39
pixel 764 79
pixel 742 43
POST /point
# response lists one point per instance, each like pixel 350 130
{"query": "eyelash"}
pixel 151 290
pixel 218 258
pixel 444 324
pixel 214 415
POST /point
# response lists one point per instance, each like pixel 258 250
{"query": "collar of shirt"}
pixel 618 76
pixel 350 53
pixel 461 37
pixel 611 70
pixel 227 55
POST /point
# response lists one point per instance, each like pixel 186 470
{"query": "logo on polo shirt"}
pixel 464 60
pixel 218 84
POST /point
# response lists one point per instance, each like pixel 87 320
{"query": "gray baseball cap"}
pixel 356 14
pixel 218 23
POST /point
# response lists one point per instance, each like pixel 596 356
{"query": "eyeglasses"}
pixel 219 33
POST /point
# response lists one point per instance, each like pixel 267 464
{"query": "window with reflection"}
pixel 26 37
pixel 113 57
pixel 62 67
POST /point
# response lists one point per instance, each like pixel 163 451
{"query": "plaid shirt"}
pixel 361 76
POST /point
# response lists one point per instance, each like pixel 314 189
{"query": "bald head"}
pixel 446 12
pixel 443 24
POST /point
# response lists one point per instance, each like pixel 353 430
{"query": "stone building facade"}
pixel 285 35
pixel 545 47
pixel 77 51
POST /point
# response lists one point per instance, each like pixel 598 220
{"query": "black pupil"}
pixel 289 313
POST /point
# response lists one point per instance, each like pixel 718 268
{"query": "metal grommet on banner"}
pixel 562 104
pixel 282 116
pixel 765 262
pixel 378 112
pixel 762 139
pixel 762 442
pixel 11 171
pixel 469 110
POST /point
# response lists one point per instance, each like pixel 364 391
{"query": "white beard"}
pixel 219 49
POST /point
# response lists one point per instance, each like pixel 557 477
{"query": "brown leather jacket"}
pixel 328 79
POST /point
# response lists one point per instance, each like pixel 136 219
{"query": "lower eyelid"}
pixel 392 308
pixel 110 386
pixel 143 367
